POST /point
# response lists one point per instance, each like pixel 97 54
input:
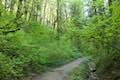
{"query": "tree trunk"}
pixel 19 9
pixel 58 19
pixel 44 12
pixel 12 3
pixel 110 9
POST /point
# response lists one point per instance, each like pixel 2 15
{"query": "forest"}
pixel 37 36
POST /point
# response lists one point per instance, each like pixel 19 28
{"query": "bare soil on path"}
pixel 60 73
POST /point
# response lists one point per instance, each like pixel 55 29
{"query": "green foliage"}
pixel 8 69
pixel 57 53
pixel 80 73
pixel 32 49
pixel 27 46
pixel 101 38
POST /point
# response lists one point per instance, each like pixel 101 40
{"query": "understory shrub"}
pixel 100 38
pixel 32 51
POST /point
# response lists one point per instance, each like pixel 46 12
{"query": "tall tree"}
pixel 58 18
pixel 19 12
pixel 76 12
pixel 110 4
pixel 12 5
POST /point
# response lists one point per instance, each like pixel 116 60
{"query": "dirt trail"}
pixel 60 73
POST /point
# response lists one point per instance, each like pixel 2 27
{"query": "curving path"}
pixel 60 73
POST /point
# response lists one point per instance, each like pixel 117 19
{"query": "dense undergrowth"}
pixel 32 49
pixel 101 38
